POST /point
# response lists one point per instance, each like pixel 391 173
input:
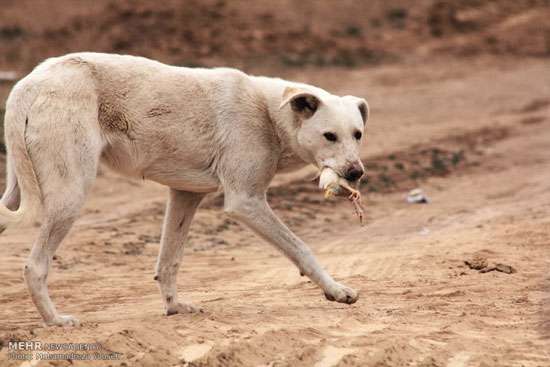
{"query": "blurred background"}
pixel 262 33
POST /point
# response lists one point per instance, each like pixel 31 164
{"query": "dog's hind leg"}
pixel 179 214
pixel 62 203
pixel 54 228
pixel 65 154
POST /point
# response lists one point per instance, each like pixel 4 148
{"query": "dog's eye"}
pixel 330 136
pixel 358 135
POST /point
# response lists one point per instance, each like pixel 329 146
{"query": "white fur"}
pixel 194 130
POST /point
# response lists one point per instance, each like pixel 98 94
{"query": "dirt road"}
pixel 474 135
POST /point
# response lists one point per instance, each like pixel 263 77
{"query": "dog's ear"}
pixel 303 102
pixel 363 109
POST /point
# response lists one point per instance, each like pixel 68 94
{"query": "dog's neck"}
pixel 284 121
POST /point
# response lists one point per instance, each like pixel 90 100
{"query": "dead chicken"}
pixel 335 185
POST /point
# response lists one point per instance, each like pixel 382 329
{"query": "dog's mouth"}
pixel 353 183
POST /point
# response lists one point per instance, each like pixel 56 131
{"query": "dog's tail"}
pixel 20 166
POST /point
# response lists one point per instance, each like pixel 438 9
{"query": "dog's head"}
pixel 329 129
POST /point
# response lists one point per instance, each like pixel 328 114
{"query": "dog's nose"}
pixel 354 173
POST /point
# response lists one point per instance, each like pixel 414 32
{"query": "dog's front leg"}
pixel 256 213
pixel 179 213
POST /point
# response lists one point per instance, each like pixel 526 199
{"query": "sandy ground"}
pixel 473 134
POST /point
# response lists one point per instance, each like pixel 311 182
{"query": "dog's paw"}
pixel 343 294
pixel 64 321
pixel 185 307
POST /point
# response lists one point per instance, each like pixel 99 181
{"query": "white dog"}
pixel 193 130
